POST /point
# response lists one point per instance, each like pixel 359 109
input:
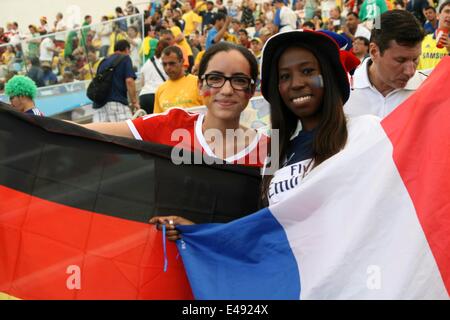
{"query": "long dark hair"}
pixel 331 134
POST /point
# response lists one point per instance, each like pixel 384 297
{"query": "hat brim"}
pixel 321 42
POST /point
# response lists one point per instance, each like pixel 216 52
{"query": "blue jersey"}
pixel 35 111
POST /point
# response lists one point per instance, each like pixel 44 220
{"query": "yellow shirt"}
pixel 199 57
pixel 200 6
pixel 183 44
pixel 112 40
pixel 190 19
pixel 230 38
pixel 87 75
pixel 431 55
pixel 181 93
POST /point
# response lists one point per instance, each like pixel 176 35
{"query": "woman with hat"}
pixel 44 28
pixel 306 84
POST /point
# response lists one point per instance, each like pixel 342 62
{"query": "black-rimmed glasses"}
pixel 217 81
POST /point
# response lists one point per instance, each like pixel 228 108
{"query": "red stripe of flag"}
pixel 422 156
pixel 118 259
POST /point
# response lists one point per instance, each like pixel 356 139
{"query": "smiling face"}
pixel 300 85
pixel 226 103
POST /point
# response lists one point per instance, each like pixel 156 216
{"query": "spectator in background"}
pixel 44 28
pixel 335 21
pixel 207 15
pixel 49 77
pixel 122 23
pixel 256 46
pixel 370 9
pixel 22 91
pixel 432 22
pixel 216 34
pixel 191 19
pixel 265 34
pixel 232 9
pixel 287 18
pixel 247 18
pixel 14 34
pixel 389 76
pixel 268 12
pixel 353 28
pixel 153 75
pixel 116 106
pixel 181 41
pixel 3 39
pixel 68 77
pixel 417 7
pixel 35 72
pixel 103 33
pixel 177 20
pixel 131 9
pixel 33 45
pixel 243 38
pixel 258 25
pixel 179 90
pixel 8 57
pixel 135 43
pixel 90 68
pixel 431 54
pixel 60 27
pixel 308 25
pixel 300 11
pixel 47 49
pixel 85 29
pixel 361 47
pixel 310 7
pixel 150 42
pixel 221 8
pixel 117 35
pixel 167 35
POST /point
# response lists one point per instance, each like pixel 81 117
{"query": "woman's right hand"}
pixel 170 222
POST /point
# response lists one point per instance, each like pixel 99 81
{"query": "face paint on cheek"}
pixel 317 81
pixel 206 93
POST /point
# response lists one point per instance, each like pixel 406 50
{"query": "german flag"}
pixel 74 206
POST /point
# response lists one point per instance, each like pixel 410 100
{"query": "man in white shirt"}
pixel 60 26
pixel 288 18
pixel 47 49
pixel 389 76
pixel 353 28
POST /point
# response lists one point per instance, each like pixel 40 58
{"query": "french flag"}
pixel 372 222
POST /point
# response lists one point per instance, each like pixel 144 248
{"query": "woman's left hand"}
pixel 170 222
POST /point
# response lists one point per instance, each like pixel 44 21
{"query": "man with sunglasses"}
pixel 21 91
pixel 179 90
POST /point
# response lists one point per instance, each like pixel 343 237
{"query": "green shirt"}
pixel 370 9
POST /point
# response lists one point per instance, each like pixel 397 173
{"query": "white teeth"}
pixel 301 99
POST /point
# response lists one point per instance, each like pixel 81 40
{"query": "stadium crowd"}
pixel 52 52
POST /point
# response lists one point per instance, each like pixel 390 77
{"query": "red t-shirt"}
pixel 178 127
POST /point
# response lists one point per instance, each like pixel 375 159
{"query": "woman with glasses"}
pixel 227 75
